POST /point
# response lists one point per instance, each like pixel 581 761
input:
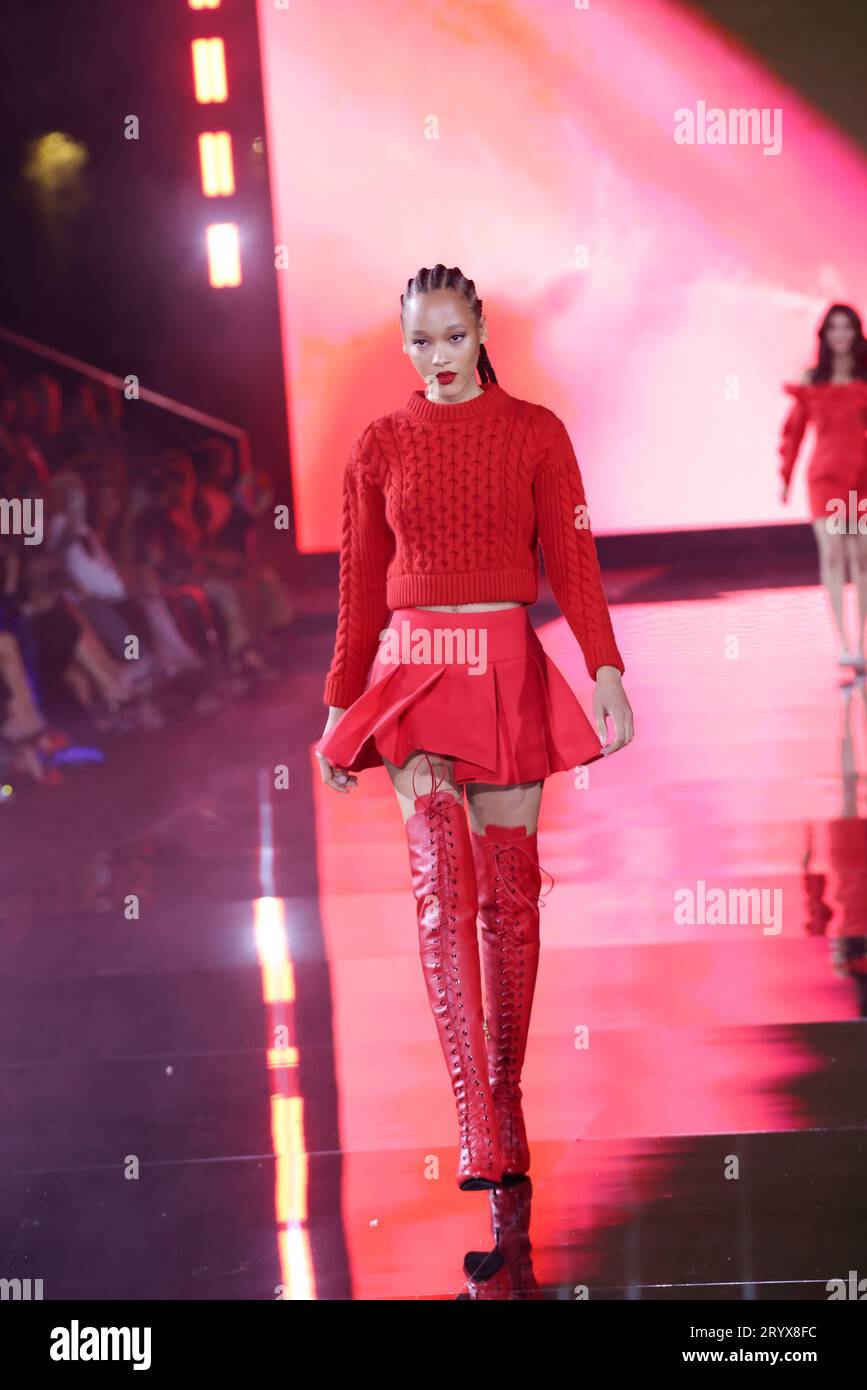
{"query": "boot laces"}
pixel 434 803
pixel 503 864
pixel 439 806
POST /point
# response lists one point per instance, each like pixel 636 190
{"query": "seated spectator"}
pixel 41 398
pixel 69 655
pixel 25 732
pixel 160 553
pixel 103 593
pixel 229 510
pixel 94 426
pixel 172 537
pixel 21 461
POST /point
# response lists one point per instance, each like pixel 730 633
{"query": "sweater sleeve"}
pixel 792 432
pixel 366 549
pixel 571 559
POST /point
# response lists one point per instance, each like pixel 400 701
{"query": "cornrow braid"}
pixel 453 278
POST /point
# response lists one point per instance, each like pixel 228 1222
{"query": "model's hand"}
pixel 432 388
pixel 610 699
pixel 337 778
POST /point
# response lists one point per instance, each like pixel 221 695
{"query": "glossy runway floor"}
pixel 220 1078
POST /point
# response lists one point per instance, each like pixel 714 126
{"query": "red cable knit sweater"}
pixel 446 504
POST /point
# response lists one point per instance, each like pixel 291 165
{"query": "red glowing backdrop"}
pixel 653 294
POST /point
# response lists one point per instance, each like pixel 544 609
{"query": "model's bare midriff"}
pixel 468 607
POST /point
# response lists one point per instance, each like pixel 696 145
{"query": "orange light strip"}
pixel 287 1136
pixel 296 1264
pixel 209 70
pixel 291 1166
pixel 215 160
pixel 282 1057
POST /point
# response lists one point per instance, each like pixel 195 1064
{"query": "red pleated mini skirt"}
pixel 477 688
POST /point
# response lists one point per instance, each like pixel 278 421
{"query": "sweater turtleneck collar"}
pixel 492 400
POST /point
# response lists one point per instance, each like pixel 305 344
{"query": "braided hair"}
pixel 440 278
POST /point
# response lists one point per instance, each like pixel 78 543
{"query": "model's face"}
pixel 440 335
pixel 840 333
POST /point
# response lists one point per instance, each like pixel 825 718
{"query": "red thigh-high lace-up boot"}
pixel 444 884
pixel 509 883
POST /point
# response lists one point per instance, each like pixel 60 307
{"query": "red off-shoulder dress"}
pixel 838 463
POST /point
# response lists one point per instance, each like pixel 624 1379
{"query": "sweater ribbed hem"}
pixel 479 586
pixel 602 655
pixel 493 400
pixel 341 693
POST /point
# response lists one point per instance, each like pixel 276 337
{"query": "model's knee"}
pixel 858 563
pixel 834 563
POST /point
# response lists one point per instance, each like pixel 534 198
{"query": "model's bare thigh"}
pixel 414 779
pixel 514 806
pixel 488 804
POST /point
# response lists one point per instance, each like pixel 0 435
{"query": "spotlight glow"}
pixel 224 255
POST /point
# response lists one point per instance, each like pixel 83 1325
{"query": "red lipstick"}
pixel 446 377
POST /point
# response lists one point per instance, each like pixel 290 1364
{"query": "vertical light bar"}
pixel 215 161
pixel 224 254
pixel 288 1140
pixel 209 70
